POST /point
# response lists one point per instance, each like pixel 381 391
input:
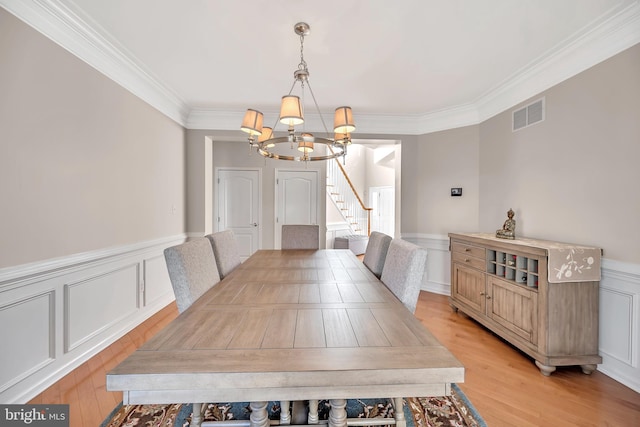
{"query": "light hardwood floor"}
pixel 502 383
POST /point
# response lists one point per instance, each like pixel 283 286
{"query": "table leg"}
pixel 338 413
pixel 299 413
pixel 285 415
pixel 399 412
pixel 313 412
pixel 196 416
pixel 259 416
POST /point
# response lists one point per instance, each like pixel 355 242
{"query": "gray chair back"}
pixel 192 270
pixel 376 252
pixel 300 236
pixel 403 271
pixel 225 249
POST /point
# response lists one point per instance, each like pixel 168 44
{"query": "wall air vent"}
pixel 528 115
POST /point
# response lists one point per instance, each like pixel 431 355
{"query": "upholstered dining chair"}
pixel 192 270
pixel 376 252
pixel 403 269
pixel 295 236
pixel 225 249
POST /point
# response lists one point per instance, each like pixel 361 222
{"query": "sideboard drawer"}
pixel 467 259
pixel 471 250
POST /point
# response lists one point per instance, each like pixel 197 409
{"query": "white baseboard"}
pixel 619 315
pixel 66 310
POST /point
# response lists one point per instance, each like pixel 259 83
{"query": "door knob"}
pixel 255 224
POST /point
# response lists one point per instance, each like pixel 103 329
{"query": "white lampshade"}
pixel 267 133
pixel 291 111
pixel 306 143
pixel 252 122
pixel 343 120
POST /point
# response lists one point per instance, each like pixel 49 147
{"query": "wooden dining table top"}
pixel 290 325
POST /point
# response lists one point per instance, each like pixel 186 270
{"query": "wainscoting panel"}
pixel 620 322
pixel 619 317
pixel 96 303
pixel 64 311
pixel 27 337
pixel 156 281
pixel 437 278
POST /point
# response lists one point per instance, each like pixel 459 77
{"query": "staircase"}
pixel 347 200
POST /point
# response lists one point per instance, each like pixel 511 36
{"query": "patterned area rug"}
pixel 450 411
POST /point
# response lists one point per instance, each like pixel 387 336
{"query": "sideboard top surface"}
pixel 526 242
pixel 567 262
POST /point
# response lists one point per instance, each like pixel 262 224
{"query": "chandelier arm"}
pixel 324 125
pixel 334 154
pixel 302 104
pixel 292 86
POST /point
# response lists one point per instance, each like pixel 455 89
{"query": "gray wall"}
pixel 444 160
pixel 570 178
pixel 87 165
pixel 84 164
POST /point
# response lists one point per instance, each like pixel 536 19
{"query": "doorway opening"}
pixel 373 168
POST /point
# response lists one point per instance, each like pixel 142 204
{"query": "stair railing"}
pixel 347 200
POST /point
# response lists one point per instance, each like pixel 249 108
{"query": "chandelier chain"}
pixel 302 65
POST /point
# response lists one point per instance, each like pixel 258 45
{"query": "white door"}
pixel 239 207
pixel 383 203
pixel 296 199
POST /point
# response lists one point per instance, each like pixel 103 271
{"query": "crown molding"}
pixel 216 119
pixel 74 33
pixel 450 118
pixel 616 31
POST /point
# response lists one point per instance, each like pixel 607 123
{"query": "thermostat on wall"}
pixel 456 191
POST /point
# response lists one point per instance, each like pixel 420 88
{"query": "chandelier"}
pixel 292 114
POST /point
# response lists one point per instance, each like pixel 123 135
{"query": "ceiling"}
pixel 404 66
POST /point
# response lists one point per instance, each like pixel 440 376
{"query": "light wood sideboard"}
pixel 540 296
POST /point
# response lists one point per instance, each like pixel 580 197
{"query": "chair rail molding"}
pixel 65 310
pixel 437 278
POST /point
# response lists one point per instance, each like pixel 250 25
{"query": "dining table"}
pixel 290 325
